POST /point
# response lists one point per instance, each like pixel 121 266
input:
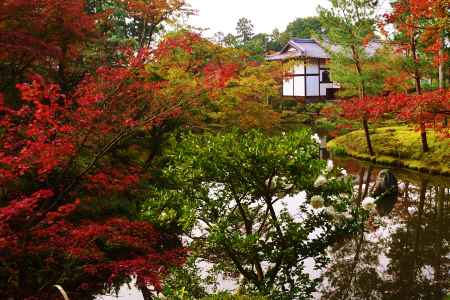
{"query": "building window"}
pixel 325 77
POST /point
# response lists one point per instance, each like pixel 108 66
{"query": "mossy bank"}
pixel 397 146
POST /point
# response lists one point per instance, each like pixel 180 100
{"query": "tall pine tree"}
pixel 350 27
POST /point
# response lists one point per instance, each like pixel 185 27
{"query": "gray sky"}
pixel 266 15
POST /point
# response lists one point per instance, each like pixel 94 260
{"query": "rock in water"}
pixel 386 192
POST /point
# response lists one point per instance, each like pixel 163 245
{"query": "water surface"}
pixel 403 252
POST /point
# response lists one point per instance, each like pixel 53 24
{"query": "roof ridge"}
pixel 303 39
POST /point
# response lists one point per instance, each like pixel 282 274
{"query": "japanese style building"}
pixel 310 77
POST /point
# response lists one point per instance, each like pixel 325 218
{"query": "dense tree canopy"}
pixel 85 102
pixel 231 193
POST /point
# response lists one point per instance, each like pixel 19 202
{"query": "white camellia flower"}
pixel 317 201
pixel 368 203
pixel 315 137
pixel 329 210
pixel 412 210
pixel 321 180
pixel 330 166
pixel 288 186
pixel 348 216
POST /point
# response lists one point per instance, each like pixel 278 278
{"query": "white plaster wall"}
pixel 324 87
pixel 288 87
pixel 312 86
pixel 299 69
pixel 299 86
pixel 312 69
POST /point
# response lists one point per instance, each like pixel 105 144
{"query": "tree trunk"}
pixel 423 136
pixel 417 77
pixel 367 134
pixel 362 94
pixel 146 293
pixel 441 65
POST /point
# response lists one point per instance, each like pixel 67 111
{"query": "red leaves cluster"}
pixel 183 43
pixel 38 29
pixel 115 248
pixel 217 76
pixel 56 151
pixel 420 21
pixel 430 108
pixel 369 107
pixel 36 138
pixel 113 180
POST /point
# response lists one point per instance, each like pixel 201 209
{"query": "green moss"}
pixel 398 146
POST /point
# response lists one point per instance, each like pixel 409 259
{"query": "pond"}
pixel 402 253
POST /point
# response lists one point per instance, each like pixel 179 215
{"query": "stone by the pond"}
pixel 385 191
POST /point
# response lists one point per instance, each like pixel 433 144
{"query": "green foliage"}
pixel 229 193
pixel 302 28
pixel 226 296
pixel 261 43
pixel 244 29
pixel 185 283
pixel 281 104
pixel 315 107
pixel 350 26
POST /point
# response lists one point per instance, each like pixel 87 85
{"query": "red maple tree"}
pixel 426 110
pixel 421 24
pixel 77 142
pixel 49 198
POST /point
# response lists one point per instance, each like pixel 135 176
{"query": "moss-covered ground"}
pixel 397 146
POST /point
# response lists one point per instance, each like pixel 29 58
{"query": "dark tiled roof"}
pixel 309 48
pixel 303 48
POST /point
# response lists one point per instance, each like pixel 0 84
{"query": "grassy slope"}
pixel 399 146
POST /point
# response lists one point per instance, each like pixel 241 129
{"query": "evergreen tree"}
pixel 244 30
pixel 350 26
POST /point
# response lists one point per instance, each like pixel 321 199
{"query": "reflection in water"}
pixel 404 252
pixel 386 191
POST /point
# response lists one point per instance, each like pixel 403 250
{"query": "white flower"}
pixel 344 172
pixel 348 216
pixel 321 180
pixel 412 210
pixel 288 186
pixel 330 166
pixel 315 137
pixel 368 203
pixel 317 201
pixel 401 186
pixel 329 210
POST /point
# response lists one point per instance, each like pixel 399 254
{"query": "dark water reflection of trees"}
pixel 404 254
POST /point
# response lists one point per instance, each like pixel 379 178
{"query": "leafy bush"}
pixel 239 197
